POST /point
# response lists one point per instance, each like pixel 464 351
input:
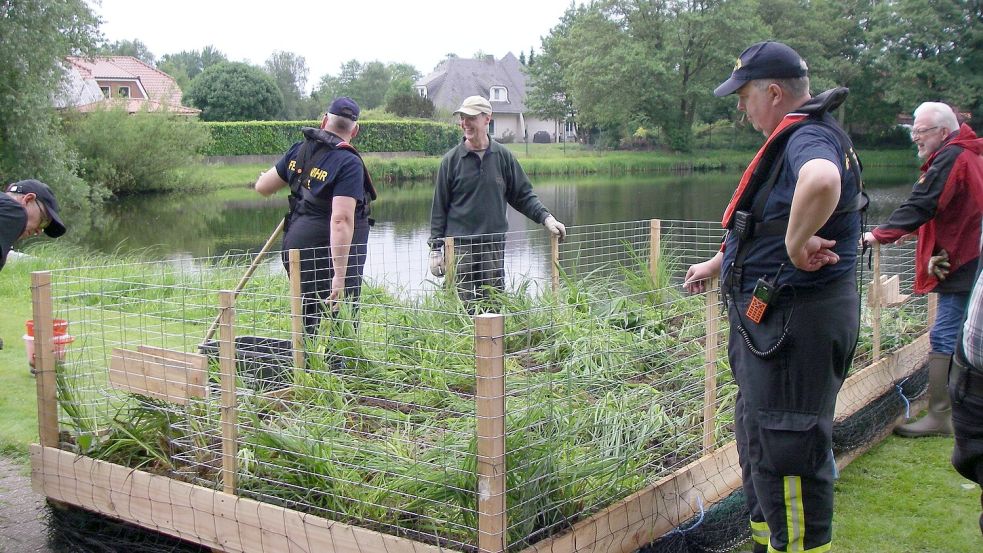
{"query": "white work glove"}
pixel 555 227
pixel 437 267
pixel 938 265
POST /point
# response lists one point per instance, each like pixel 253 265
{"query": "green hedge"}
pixel 274 137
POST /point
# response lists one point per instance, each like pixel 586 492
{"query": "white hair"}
pixel 939 114
pixel 340 123
pixel 798 87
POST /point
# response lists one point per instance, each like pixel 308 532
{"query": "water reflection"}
pixel 181 227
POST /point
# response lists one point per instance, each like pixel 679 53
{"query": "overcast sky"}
pixel 328 33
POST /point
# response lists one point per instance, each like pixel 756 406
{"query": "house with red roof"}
pixel 92 82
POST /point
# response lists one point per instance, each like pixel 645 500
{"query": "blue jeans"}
pixel 948 317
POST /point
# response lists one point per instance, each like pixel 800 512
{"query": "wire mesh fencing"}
pixel 532 386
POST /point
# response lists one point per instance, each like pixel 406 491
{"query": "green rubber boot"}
pixel 938 420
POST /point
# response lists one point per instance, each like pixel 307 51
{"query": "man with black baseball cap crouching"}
pixel 26 209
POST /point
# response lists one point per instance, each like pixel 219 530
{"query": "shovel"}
pixel 245 278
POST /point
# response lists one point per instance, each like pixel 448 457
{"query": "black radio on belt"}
pixel 743 224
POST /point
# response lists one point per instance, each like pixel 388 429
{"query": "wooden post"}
pixel 555 260
pixel 875 305
pixel 933 307
pixel 450 264
pixel 710 368
pixel 44 358
pixel 296 311
pixel 655 239
pixel 489 347
pixel 227 366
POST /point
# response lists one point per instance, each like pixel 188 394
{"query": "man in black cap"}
pixel 330 193
pixel 787 267
pixel 28 208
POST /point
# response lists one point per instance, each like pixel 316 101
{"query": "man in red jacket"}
pixel 945 208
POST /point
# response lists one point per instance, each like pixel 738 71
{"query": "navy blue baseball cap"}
pixel 44 195
pixel 764 60
pixel 343 106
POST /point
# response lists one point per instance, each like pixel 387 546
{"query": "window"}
pixel 105 91
pixel 123 92
pixel 499 94
pixel 422 91
pixel 491 128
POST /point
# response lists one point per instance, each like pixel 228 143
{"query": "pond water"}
pixel 182 227
pixel 236 220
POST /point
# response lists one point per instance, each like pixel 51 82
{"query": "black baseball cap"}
pixel 45 196
pixel 344 106
pixel 764 60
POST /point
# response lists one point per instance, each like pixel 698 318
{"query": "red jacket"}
pixel 945 206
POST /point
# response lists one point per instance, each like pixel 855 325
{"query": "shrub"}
pixel 410 104
pixel 142 152
pixel 274 137
pixel 507 137
pixel 232 91
pixel 541 137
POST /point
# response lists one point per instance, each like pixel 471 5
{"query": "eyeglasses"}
pixel 45 219
pixel 915 133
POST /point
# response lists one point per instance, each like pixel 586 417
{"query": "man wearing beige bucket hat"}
pixel 477 181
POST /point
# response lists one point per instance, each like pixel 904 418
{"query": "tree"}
pixel 532 57
pixel 289 71
pixel 133 48
pixel 631 63
pixel 35 36
pixel 327 89
pixel 401 79
pixel 932 50
pixel 522 57
pixel 235 91
pixel 369 84
pixel 369 89
pixel 187 64
pixel 548 93
pixel 410 104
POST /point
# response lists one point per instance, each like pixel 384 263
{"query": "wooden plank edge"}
pixel 191 381
pixel 646 515
pixel 183 510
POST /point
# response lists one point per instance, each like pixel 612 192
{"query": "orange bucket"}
pixel 60 327
pixel 58 345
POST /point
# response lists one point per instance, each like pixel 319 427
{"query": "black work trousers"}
pixel 784 411
pixel 480 267
pixel 966 393
pixel 312 238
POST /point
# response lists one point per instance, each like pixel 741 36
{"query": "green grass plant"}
pixel 390 437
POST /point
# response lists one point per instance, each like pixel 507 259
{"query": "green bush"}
pixel 233 91
pixel 124 153
pixel 274 137
pixel 410 104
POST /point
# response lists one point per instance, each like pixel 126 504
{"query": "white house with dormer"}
pixel 503 82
